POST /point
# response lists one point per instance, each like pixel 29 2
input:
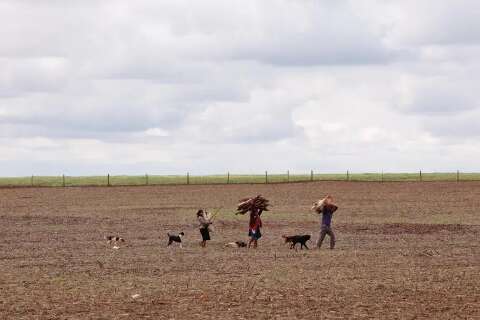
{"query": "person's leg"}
pixel 205 236
pixel 255 243
pixel 250 242
pixel 321 236
pixel 258 235
pixel 332 238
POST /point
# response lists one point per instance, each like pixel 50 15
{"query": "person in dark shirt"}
pixel 327 211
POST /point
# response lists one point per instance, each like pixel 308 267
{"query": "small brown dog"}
pixel 302 239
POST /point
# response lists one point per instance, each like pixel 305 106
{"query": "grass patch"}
pixel 126 180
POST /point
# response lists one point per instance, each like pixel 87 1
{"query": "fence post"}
pixel 108 180
pixel 420 175
pixel 348 176
pixel 288 175
pixel 311 175
pixel 31 181
pixel 63 180
pixel 188 177
pixel 146 179
pixel 266 177
pixel 382 175
pixel 458 175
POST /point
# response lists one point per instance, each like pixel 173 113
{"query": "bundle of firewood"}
pixel 318 206
pixel 257 203
pixel 326 202
pixel 322 203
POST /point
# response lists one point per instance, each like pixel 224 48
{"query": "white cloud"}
pixel 436 95
pixel 156 132
pixel 434 22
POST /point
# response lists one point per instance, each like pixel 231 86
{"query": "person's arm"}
pixel 333 208
pixel 203 221
pixel 318 206
pixel 207 220
pixel 259 222
pixel 207 215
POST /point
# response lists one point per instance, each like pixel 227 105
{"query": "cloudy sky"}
pixel 128 87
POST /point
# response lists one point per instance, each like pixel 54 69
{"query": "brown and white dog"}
pixel 175 238
pixel 236 244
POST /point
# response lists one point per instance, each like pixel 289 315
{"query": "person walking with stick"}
pixel 204 223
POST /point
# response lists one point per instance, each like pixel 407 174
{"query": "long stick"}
pixel 215 213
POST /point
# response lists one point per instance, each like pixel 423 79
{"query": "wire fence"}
pixel 266 178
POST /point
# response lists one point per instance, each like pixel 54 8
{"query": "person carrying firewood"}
pixel 326 207
pixel 254 227
pixel 204 222
pixel 255 206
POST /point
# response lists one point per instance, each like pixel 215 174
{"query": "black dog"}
pixel 297 239
pixel 175 238
pixel 110 239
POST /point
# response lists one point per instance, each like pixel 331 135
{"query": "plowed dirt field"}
pixel 404 251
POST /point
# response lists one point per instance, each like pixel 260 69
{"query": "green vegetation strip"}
pixel 123 180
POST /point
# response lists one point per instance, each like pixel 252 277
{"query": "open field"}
pixel 405 250
pixel 124 180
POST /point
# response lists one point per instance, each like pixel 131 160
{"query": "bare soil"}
pixel 404 251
